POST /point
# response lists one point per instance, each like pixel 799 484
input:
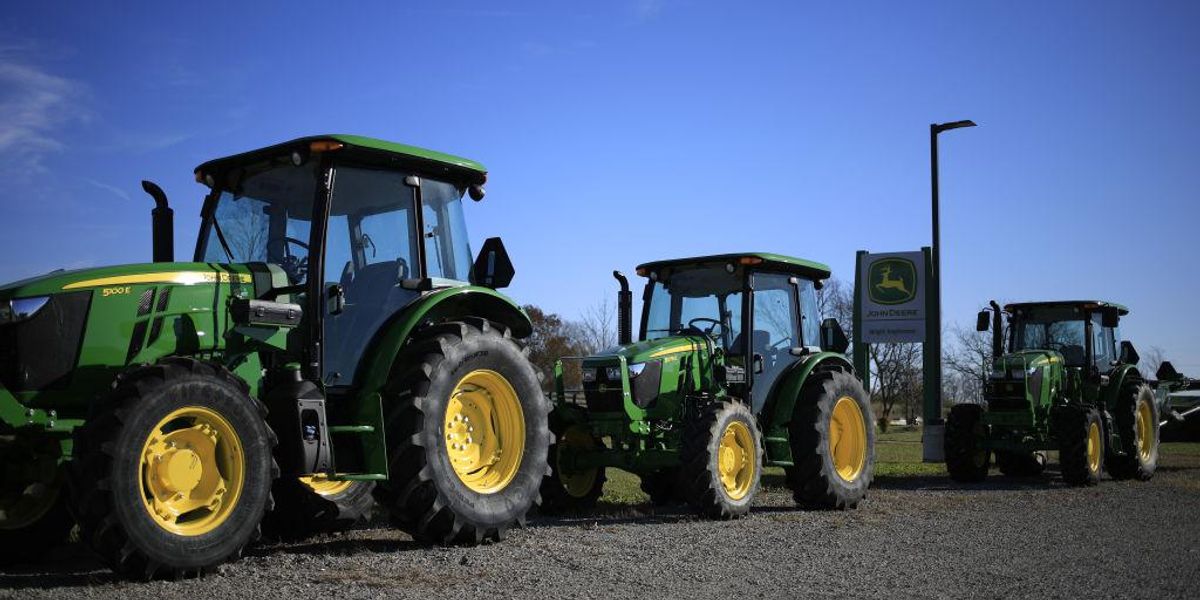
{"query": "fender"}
pixel 440 305
pixel 1116 380
pixel 776 413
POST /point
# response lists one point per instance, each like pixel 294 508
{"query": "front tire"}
pixel 467 433
pixel 174 477
pixel 33 507
pixel 833 444
pixel 307 506
pixel 1137 424
pixel 722 460
pixel 1081 446
pixel 967 460
pixel 565 489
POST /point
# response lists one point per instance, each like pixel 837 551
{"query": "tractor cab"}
pixel 1083 336
pixel 758 311
pixel 360 228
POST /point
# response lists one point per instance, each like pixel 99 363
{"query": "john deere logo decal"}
pixel 893 281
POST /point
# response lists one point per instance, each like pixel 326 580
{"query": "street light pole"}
pixel 932 355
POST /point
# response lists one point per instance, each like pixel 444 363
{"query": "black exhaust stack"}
pixel 162 224
pixel 624 311
pixel 997 330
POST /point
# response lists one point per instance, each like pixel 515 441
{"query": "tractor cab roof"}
pixel 362 149
pixel 1083 304
pixel 755 260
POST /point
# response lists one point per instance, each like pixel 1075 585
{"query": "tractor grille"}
pixel 40 353
pixel 1007 394
pixel 603 395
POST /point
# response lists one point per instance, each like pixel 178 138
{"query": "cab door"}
pixel 371 247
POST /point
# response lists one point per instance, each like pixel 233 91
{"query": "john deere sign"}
pixel 893 297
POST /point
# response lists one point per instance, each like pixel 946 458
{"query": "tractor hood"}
pixel 117 279
pixel 639 352
pixel 1010 365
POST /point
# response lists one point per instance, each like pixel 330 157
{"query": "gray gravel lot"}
pixel 920 537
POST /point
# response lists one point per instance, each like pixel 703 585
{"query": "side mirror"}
pixel 833 339
pixel 1129 356
pixel 1167 372
pixel 492 267
pixel 1109 317
pixel 336 299
pixel 983 321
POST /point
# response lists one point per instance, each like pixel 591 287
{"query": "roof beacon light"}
pixel 325 146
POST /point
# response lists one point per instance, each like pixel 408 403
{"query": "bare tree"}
pixel 967 359
pixel 896 379
pixel 836 300
pixel 1151 361
pixel 596 328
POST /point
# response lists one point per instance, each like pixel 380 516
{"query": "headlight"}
pixel 20 309
pixel 612 373
pixel 589 375
pixel 636 369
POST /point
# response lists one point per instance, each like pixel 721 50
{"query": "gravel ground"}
pixel 919 537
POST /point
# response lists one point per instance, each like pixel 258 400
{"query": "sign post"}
pixel 895 301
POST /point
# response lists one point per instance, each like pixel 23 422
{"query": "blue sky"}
pixel 618 132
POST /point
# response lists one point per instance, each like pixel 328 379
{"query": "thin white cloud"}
pixel 36 105
pixel 112 189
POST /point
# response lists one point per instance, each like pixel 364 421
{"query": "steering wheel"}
pixel 710 331
pixel 296 268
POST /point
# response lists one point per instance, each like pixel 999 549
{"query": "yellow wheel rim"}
pixel 576 483
pixel 848 439
pixel 1145 430
pixel 485 431
pixel 323 486
pixel 1093 447
pixel 192 471
pixel 736 460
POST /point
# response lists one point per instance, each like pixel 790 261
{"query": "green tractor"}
pixel 332 343
pixel 734 371
pixel 1067 382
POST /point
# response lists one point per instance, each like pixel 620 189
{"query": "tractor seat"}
pixel 759 343
pixel 373 283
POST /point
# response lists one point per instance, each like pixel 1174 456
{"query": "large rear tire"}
pixel 1081 446
pixel 467 435
pixel 967 460
pixel 173 478
pixel 1137 425
pixel 833 443
pixel 565 489
pixel 722 460
pixel 307 506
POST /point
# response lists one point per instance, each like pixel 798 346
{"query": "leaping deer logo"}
pixel 887 283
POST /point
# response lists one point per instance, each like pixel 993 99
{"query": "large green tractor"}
pixel 332 342
pixel 1067 382
pixel 734 371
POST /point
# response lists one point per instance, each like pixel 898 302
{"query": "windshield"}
pixel 447 250
pixel 695 301
pixel 267 218
pixel 1058 328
